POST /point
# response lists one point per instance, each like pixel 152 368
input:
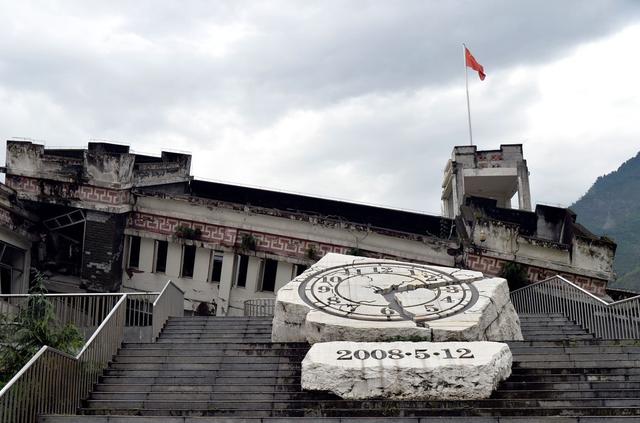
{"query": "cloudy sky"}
pixel 359 100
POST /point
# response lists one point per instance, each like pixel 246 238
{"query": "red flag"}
pixel 472 63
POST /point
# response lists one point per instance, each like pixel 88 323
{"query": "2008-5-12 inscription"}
pixel 396 354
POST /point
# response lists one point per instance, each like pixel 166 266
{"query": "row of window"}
pixel 266 275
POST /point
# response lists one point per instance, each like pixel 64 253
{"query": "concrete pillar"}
pixel 524 194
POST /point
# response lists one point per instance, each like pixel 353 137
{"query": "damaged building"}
pixel 105 219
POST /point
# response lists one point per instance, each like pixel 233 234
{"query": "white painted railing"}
pixel 260 307
pixel 617 320
pixel 55 383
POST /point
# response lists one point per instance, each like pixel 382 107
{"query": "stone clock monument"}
pixel 346 298
pixel 388 329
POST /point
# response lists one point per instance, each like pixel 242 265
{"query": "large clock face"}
pixel 387 291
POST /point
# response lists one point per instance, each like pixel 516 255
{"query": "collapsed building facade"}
pixel 105 219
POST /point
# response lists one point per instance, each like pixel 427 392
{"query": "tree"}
pixel 33 326
pixel 515 274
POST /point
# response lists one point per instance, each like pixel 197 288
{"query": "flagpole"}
pixel 466 83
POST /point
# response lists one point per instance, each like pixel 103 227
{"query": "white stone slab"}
pixel 407 370
pixel 359 299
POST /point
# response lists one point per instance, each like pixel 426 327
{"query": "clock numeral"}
pixel 448 299
pixel 348 308
pixel 331 280
pixel 333 300
pixel 430 308
pixel 324 289
pixel 386 269
pixel 452 289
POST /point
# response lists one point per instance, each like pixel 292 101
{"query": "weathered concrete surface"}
pixel 407 370
pixel 490 317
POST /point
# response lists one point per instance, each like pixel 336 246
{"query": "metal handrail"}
pixel 55 382
pixel 259 307
pixel 616 320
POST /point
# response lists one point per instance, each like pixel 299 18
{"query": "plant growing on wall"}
pixel 355 251
pixel 248 242
pixel 515 274
pixel 22 335
pixel 183 231
pixel 312 253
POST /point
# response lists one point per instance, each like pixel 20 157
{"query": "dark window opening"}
pixel 161 256
pixel 243 266
pixel 269 275
pixel 299 269
pixel 216 266
pixel 134 251
pixel 188 260
pixel 5 280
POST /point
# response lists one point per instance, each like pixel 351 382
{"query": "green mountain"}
pixel 611 207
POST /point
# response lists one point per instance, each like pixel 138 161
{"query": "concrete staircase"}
pixel 226 370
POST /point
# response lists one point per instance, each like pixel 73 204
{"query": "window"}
pixel 161 256
pixel 134 251
pixel 242 265
pixel 269 270
pixel 188 260
pixel 215 268
pixel 298 269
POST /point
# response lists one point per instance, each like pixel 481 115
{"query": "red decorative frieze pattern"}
pixel 86 193
pixel 5 219
pixel 226 236
pixel 493 266
pixel 20 183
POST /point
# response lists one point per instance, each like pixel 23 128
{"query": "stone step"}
pixel 204 336
pixel 436 415
pixel 593 349
pixel 567 394
pixel 378 405
pixel 228 388
pixel 575 343
pixel 220 366
pixel 200 379
pixel 212 396
pixel 217 345
pixel 246 331
pixel 572 377
pixel 554 337
pixel 204 373
pixel 577 357
pixel 210 358
pixel 225 419
pixel 206 352
pixel 212 341
pixel 599 367
pixel 510 385
pixel 569 364
pixel 218 326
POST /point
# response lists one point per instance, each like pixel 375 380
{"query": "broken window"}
pixel 188 260
pixel 161 256
pixel 215 270
pixel 269 270
pixel 134 251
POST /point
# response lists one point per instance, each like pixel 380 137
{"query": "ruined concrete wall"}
pixel 103 251
pixel 594 255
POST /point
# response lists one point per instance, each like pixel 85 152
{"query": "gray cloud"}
pixel 380 80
